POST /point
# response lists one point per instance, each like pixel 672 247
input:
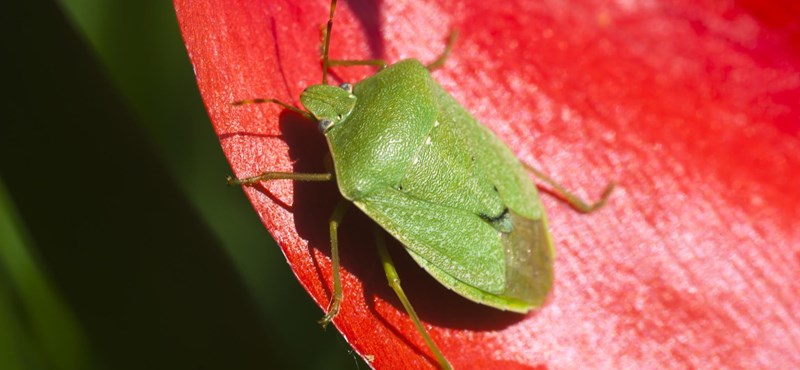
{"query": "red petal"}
pixel 692 106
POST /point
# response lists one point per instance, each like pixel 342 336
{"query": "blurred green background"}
pixel 120 245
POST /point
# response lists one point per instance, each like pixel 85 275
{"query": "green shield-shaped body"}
pixel 409 156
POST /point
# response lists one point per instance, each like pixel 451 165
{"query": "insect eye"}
pixel 325 125
pixel 347 87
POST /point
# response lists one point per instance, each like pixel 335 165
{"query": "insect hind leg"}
pixel 573 200
pixel 394 283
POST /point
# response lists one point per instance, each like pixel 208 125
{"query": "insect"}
pixel 419 165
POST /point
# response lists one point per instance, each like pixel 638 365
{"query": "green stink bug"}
pixel 416 162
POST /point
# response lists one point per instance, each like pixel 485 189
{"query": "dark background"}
pixel 120 245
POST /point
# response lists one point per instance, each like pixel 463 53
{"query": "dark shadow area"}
pixel 368 14
pixel 435 303
pixel 313 202
pixel 149 283
pixel 278 54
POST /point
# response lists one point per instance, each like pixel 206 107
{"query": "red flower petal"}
pixel 691 106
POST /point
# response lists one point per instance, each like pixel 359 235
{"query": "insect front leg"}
pixel 380 63
pixel 325 47
pixel 394 283
pixel 276 101
pixel 336 297
pixel 576 202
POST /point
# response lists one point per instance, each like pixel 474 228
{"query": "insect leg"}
pixel 394 282
pixel 442 58
pixel 365 62
pixel 267 176
pixel 276 101
pixel 336 297
pixel 335 220
pixel 437 63
pixel 326 43
pixel 577 203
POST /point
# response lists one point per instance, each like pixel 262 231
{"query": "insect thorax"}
pixel 393 113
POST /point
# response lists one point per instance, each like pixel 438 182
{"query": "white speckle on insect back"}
pixel 428 141
pixel 435 123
